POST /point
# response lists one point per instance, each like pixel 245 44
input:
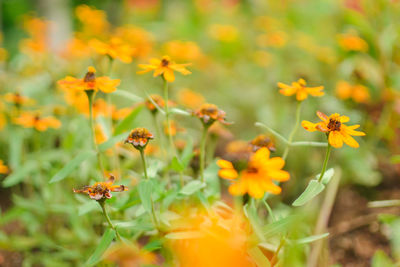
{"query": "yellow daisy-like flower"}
pixel 102 190
pixel 3 168
pixel 115 48
pixel 90 82
pixel 337 132
pixel 32 120
pixel 258 177
pixel 165 67
pixel 299 88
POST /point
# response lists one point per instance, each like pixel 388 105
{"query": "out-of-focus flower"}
pixel 299 88
pixel 94 21
pixel 173 127
pixel 218 238
pixel 262 141
pixel 190 99
pixel 223 33
pixel 217 129
pixel 18 99
pixel 272 39
pixel 90 82
pixel 3 168
pixel 165 67
pixel 157 99
pixel 33 120
pixel 129 255
pixel 37 29
pixel 359 93
pixel 258 177
pixel 139 138
pixel 237 150
pixel 335 129
pixel 141 41
pixel 262 58
pixel 102 190
pixel 76 48
pixel 116 48
pixel 266 23
pixel 100 137
pixel 209 113
pixel 119 114
pixel 351 42
pixel 185 51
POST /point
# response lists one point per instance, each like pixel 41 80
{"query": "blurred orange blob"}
pixel 3 168
pixel 129 255
pixel 214 239
pixel 141 41
pixel 32 120
pixel 115 48
pixel 190 99
pixel 359 93
pixel 223 33
pixel 351 42
pixel 37 29
pixel 272 39
pixel 94 22
pixel 185 51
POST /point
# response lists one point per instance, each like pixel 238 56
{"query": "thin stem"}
pixel 102 205
pixel 269 210
pixel 292 133
pixel 328 152
pixel 275 257
pixel 144 163
pixel 202 151
pixel 273 132
pixel 171 141
pixel 309 143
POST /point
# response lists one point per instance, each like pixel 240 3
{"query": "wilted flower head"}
pixel 129 255
pixel 102 190
pixel 165 67
pixel 334 127
pixel 262 141
pixel 209 113
pixel 90 83
pixel 139 138
pixel 33 120
pixel 299 88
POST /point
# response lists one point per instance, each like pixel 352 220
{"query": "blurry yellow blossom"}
pixel 335 129
pixel 3 168
pixel 190 99
pixel 33 120
pixel 173 127
pixel 37 29
pixel 140 41
pixel 100 136
pixel 359 93
pixel 76 48
pixel 102 190
pixel 299 88
pixel 94 22
pixel 165 67
pixel 119 114
pixel 351 42
pixel 258 177
pixel 185 51
pixel 18 99
pixel 272 39
pixel 115 48
pixel 129 255
pixel 266 23
pixel 224 33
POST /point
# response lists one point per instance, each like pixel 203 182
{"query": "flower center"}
pixel 164 62
pixel 334 125
pixel 89 77
pixel 252 169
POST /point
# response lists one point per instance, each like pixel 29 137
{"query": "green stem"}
pixel 269 210
pixel 144 163
pixel 309 143
pixel 102 204
pixel 171 141
pixel 292 133
pixel 202 151
pixel 328 152
pixel 273 132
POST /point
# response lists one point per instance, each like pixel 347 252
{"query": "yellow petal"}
pixel 350 141
pixel 322 116
pixel 309 126
pixel 238 188
pixel 335 139
pixel 224 164
pixel 279 175
pixel 169 75
pixel 255 188
pixel 229 174
pixel 301 95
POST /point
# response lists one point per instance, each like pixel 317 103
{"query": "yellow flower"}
pixel 18 99
pixel 32 120
pixel 90 82
pixel 186 51
pixel 359 93
pixel 351 42
pixel 102 190
pixel 209 113
pixel 337 132
pixel 190 99
pixel 140 40
pixel 258 177
pixel 115 48
pixel 94 21
pixel 299 88
pixel 3 168
pixel 139 138
pixel 224 33
pixel 164 67
pixel 262 141
pixel 76 48
pixel 272 39
pixel 100 136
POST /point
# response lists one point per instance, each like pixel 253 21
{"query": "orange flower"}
pixel 299 88
pixel 173 125
pixel 129 255
pixel 209 113
pixel 140 40
pixel 31 120
pixel 3 168
pixel 359 93
pixel 115 48
pixel 100 137
pixel 164 67
pixel 262 141
pixel 183 50
pixel 18 99
pixel 94 21
pixel 351 42
pixel 190 99
pixel 139 138
pixel 119 114
pixel 90 82
pixel 258 177
pixel 337 132
pixel 102 190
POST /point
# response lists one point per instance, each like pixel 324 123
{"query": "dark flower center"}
pixel 334 125
pixel 89 77
pixel 252 170
pixel 164 62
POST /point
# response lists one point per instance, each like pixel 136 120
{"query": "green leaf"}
pixel 72 165
pixel 312 190
pixel 327 176
pixel 259 258
pixel 279 226
pixel 180 111
pixel 112 141
pixel 380 259
pixel 395 159
pixel 191 187
pixel 145 189
pixel 310 239
pixel 128 95
pixel 105 242
pixel 127 123
pixel 176 165
pixel 15 146
pixel 20 174
pixel 153 245
pixel 184 235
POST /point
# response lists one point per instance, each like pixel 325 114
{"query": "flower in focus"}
pixel 18 99
pixel 262 141
pixel 139 138
pixel 165 67
pixel 258 177
pixel 337 132
pixel 351 42
pixel 209 113
pixel 224 33
pixel 3 168
pixel 190 99
pixel 102 190
pixel 129 255
pixel 299 88
pixel 359 93
pixel 32 120
pixel 90 82
pixel 115 48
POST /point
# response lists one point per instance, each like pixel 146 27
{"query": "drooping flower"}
pixel 165 67
pixel 359 93
pixel 258 177
pixel 262 141
pixel 299 88
pixel 209 113
pixel 334 127
pixel 33 120
pixel 90 83
pixel 116 48
pixel 139 138
pixel 3 168
pixel 102 190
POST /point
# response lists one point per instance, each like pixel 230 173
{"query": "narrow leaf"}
pixel 144 189
pixel 259 258
pixel 72 165
pixel 20 174
pixel 105 242
pixel 312 190
pixel 310 239
pixel 184 235
pixel 191 188
pixel 112 141
pixel 278 227
pixel 176 165
pixel 327 176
